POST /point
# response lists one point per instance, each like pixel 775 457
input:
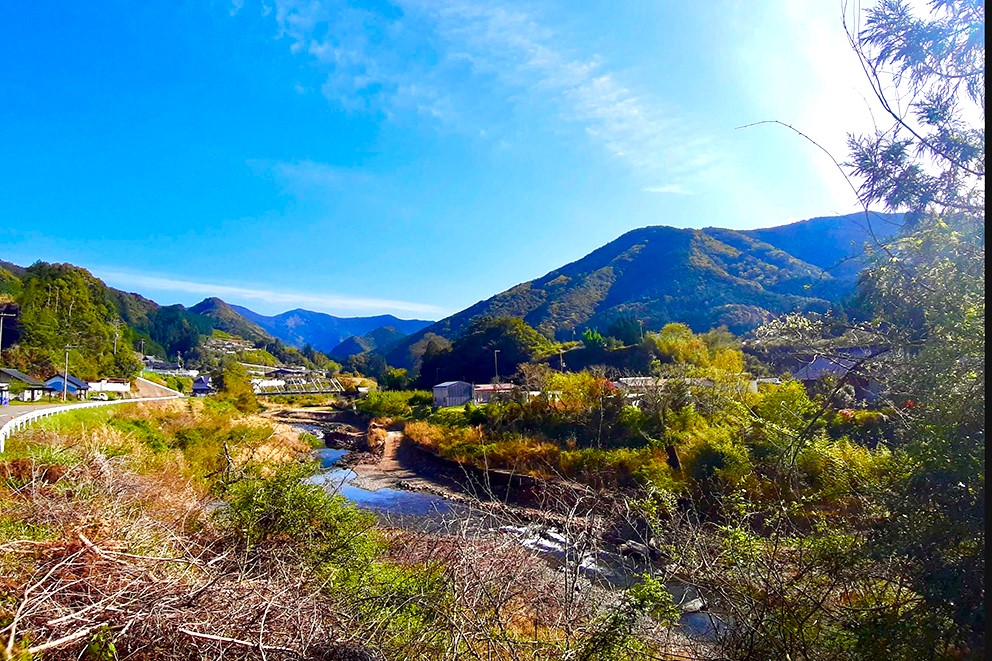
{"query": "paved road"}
pixel 14 410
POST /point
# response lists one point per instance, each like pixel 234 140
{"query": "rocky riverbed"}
pixel 412 490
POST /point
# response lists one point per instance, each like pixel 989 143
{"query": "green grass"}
pixel 12 528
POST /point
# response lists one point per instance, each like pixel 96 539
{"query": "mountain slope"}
pixel 834 243
pixel 225 318
pixel 380 337
pixel 705 278
pixel 323 331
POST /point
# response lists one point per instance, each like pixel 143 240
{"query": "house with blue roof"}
pixel 69 384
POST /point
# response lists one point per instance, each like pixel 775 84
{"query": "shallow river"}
pixel 425 512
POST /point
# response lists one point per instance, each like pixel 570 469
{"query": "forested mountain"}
pixel 324 332
pixel 226 318
pixel 63 313
pixel 705 278
pixel 380 337
pixel 833 243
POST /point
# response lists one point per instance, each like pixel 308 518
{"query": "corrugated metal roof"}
pixel 494 387
pixel 73 381
pixel 21 376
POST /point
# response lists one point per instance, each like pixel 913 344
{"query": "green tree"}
pixel 626 328
pixel 927 294
pixel 593 339
pixel 234 385
pixel 488 342
pixel 63 306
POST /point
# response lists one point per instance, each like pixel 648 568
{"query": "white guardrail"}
pixel 22 421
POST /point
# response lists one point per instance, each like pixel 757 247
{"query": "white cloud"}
pixel 306 178
pixel 462 64
pixel 671 189
pixel 321 302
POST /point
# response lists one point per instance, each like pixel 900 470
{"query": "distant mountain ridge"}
pixel 833 243
pixel 374 339
pixel 703 277
pixel 324 332
pixel 230 320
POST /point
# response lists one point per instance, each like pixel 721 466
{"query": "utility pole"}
pixel 117 333
pixel 2 316
pixel 561 357
pixel 496 363
pixel 65 376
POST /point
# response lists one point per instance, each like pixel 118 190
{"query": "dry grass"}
pixel 128 558
pixel 109 550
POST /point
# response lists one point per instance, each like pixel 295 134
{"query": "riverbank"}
pixel 398 463
pixel 569 526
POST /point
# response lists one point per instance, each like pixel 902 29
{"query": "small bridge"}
pixel 303 385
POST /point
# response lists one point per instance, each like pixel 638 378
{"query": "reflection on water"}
pixel 385 501
pixel 412 510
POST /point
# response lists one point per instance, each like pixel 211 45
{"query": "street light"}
pixel 496 363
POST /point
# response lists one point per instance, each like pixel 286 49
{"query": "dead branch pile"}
pixel 191 594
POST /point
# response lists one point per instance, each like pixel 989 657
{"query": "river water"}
pixel 412 510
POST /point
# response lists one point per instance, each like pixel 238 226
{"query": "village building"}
pixel 68 384
pixel 22 386
pixel 119 387
pixel 202 386
pixel 154 364
pixel 283 372
pixel 452 393
pixel 487 392
pixel 843 369
pixel 261 385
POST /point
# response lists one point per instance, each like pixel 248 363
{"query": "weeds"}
pixel 178 531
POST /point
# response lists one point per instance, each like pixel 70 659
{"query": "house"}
pixel 115 386
pixel 842 367
pixel 487 392
pixel 153 364
pixel 68 384
pixel 452 393
pixel 202 386
pixel 21 385
pixel 641 385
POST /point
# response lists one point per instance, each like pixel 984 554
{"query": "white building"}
pixel 116 386
pixel 452 393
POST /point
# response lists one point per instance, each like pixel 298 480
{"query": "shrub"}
pixel 285 509
pixel 150 435
pixel 400 404
pixel 451 416
pixel 718 460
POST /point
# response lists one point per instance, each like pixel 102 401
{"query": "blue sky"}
pixel 407 156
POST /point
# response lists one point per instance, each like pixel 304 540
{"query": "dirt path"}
pixel 390 460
